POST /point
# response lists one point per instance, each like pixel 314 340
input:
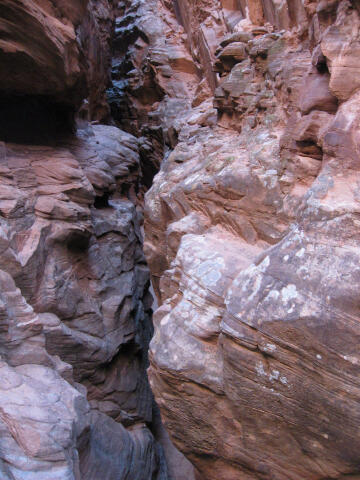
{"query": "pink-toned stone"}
pixel 251 238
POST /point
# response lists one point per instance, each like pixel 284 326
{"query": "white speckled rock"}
pixel 252 241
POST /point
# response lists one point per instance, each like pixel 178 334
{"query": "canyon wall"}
pixel 75 402
pixel 231 126
pixel 252 237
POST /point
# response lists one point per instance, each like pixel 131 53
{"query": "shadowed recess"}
pixel 34 119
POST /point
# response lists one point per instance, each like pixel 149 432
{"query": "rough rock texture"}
pixel 78 313
pixel 250 108
pixel 56 54
pixel 75 306
pixel 252 240
pixel 153 78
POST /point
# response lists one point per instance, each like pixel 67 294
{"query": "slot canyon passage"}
pixel 180 240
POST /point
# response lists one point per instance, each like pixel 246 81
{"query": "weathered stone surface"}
pixel 75 302
pixel 251 229
pixel 251 112
pixel 39 47
pixel 340 45
pixel 316 94
pixel 75 307
pixel 60 52
pixel 126 454
pixel 81 298
pixel 42 419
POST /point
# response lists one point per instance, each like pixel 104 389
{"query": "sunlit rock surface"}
pixel 252 240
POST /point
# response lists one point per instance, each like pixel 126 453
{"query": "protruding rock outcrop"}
pixel 58 52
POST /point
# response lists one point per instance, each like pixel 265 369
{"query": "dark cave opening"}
pixel 102 201
pixel 78 241
pixel 34 119
pixel 322 66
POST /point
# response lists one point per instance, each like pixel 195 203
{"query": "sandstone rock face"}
pixel 41 42
pixel 58 51
pixel 251 238
pixel 75 306
pixel 250 109
pixel 75 312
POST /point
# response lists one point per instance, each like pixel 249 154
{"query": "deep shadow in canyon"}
pixel 226 132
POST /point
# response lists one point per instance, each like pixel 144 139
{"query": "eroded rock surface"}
pixel 250 109
pixel 75 306
pixel 251 238
pixel 76 326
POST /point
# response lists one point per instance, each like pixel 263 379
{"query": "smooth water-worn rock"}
pixel 75 327
pixel 75 302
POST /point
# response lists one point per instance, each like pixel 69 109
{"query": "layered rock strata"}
pixel 75 303
pixel 251 108
pixel 251 238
